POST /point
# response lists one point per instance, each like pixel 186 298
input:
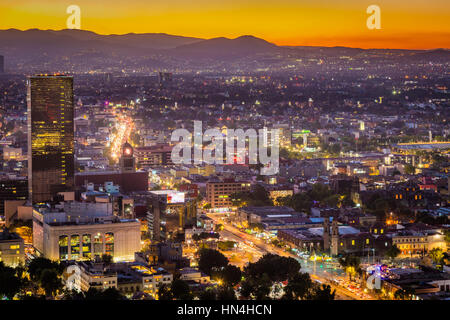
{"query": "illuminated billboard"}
pixel 175 197
pixel 171 196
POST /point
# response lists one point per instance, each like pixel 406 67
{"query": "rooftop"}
pixel 5 235
pixel 343 230
pixel 270 211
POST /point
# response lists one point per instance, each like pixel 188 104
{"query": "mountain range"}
pixel 36 49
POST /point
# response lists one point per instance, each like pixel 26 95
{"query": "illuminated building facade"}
pixel 93 275
pixel 137 277
pixel 285 134
pixel 128 278
pixel 50 136
pixel 13 154
pixel 218 192
pixel 158 155
pixel 11 248
pixel 84 235
pixel 413 243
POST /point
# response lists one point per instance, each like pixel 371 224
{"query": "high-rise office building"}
pixel 50 136
pixel 2 64
pixel 12 189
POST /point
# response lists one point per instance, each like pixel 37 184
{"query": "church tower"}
pixel 334 237
pixel 326 234
pixel 127 161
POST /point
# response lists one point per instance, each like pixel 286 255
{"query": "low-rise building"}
pixel 421 282
pixel 157 155
pixel 59 234
pixel 263 214
pixel 10 153
pixel 138 277
pixel 92 275
pixel 302 239
pixel 192 274
pixel 218 192
pixel 413 242
pixel 11 248
pixel 128 278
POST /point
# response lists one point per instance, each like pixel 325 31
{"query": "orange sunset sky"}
pixel 412 24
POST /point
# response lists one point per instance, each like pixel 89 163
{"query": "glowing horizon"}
pixel 405 24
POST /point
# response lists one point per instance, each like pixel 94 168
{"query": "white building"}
pixel 192 274
pixel 82 234
pixel 85 275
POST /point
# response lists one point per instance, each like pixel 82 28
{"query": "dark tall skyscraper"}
pixel 50 136
pixel 2 64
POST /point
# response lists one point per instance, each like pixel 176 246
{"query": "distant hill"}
pixel 80 51
pixel 64 37
pixel 143 40
pixel 72 50
pixel 435 55
pixel 224 48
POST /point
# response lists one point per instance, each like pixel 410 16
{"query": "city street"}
pixel 121 136
pixel 320 272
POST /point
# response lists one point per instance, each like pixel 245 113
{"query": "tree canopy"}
pixel 210 260
pixel 393 252
pixel 303 201
pixel 299 287
pixel 277 268
pixel 10 281
pixel 178 290
pixel 258 197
